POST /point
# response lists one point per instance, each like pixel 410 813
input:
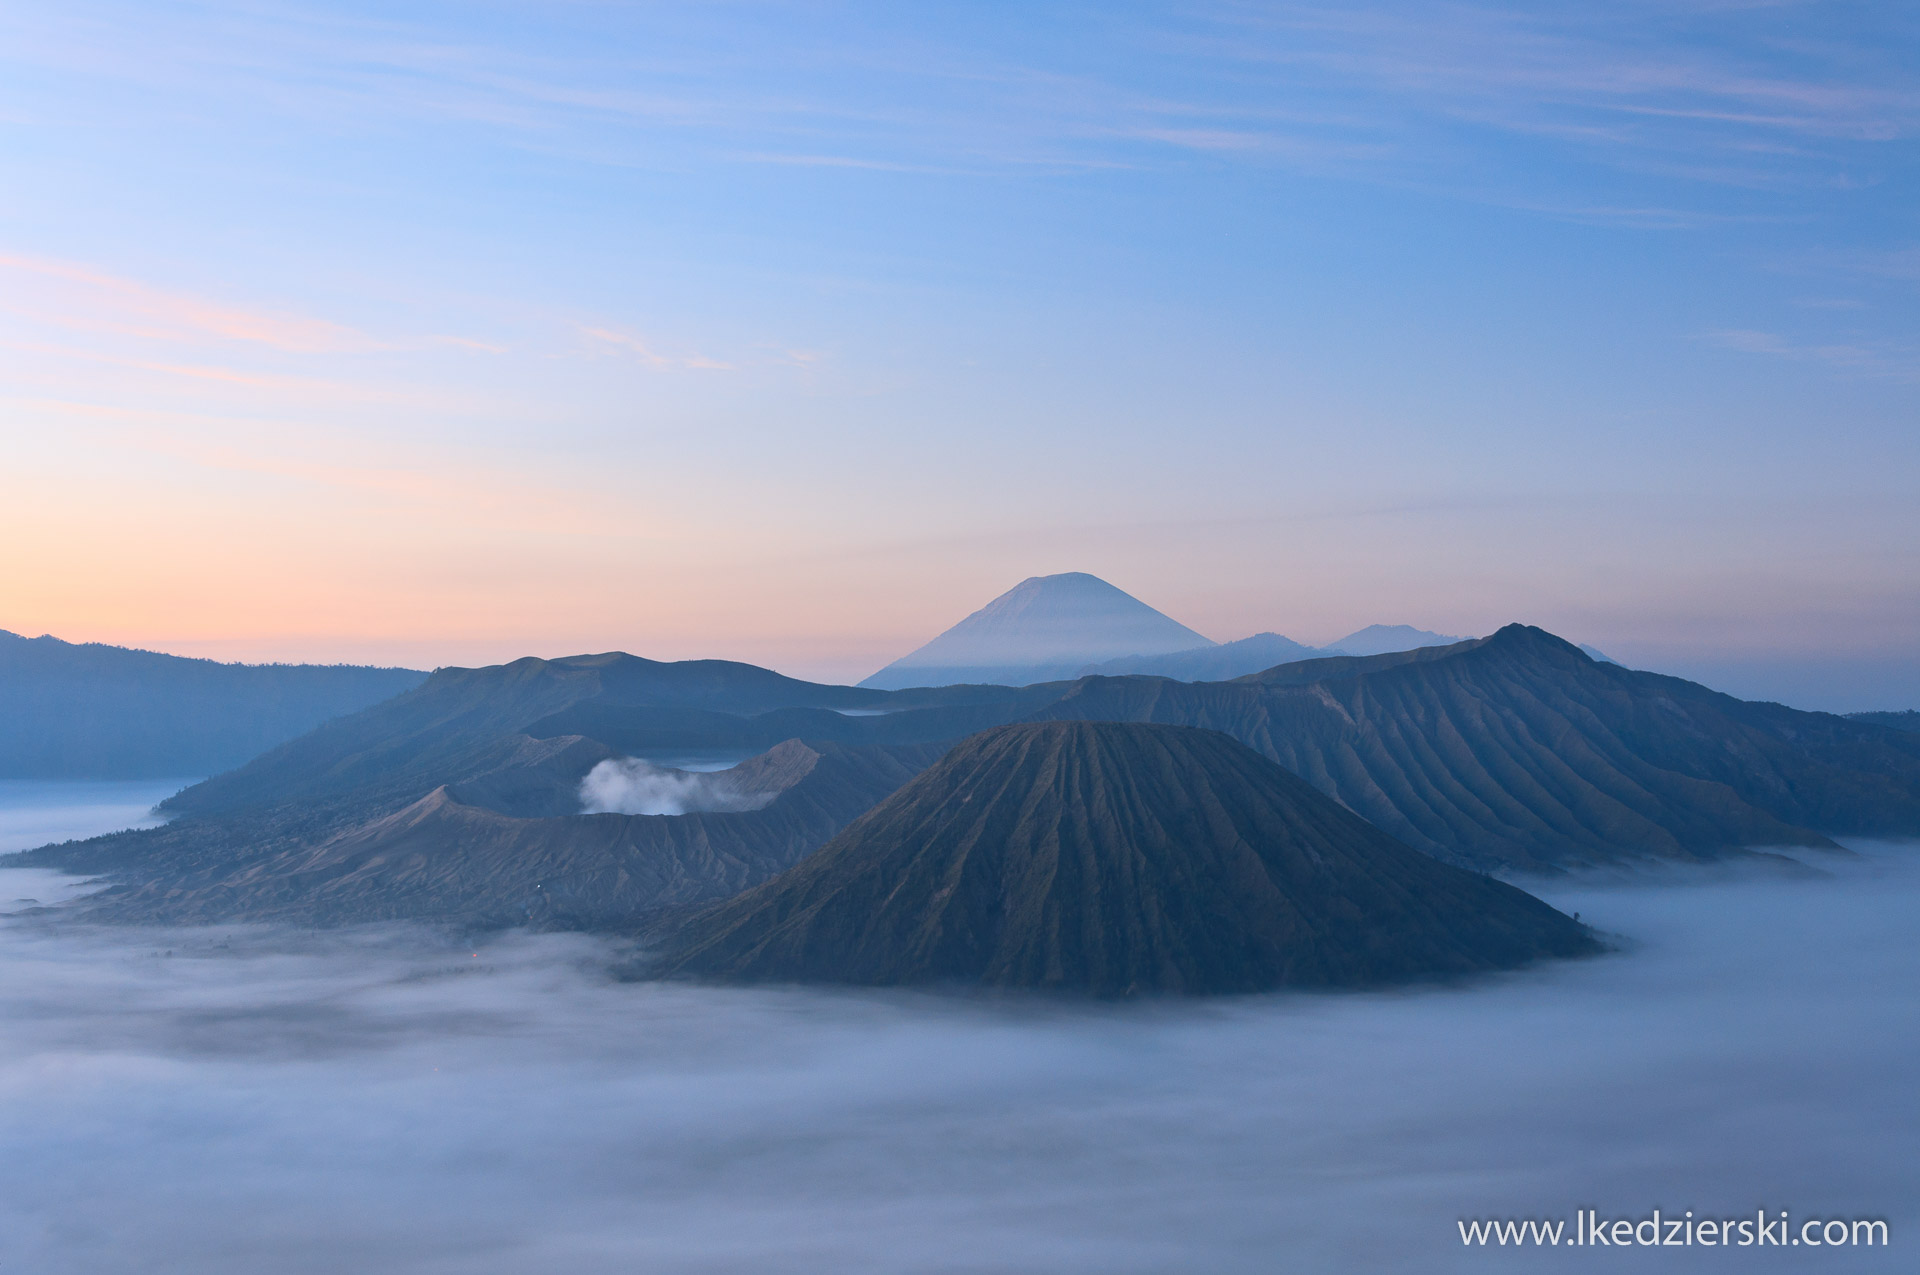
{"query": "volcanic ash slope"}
pixel 1116 859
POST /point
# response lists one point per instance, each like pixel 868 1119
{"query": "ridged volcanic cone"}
pixel 1117 859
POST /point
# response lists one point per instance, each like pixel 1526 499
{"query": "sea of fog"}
pixel 240 1100
pixel 34 812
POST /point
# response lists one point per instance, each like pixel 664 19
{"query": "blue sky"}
pixel 793 332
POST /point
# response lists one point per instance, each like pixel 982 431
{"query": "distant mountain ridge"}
pixel 1058 627
pixel 1510 753
pixel 1042 629
pixel 91 711
pixel 1908 719
pixel 1218 663
pixel 1118 859
pixel 1381 639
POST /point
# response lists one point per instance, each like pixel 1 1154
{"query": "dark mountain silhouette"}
pixel 1514 752
pixel 1043 629
pixel 87 711
pixel 1117 859
pixel 1218 663
pixel 1380 639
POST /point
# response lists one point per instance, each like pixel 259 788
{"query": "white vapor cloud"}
pixel 630 786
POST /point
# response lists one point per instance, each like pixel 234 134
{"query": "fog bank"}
pixel 34 812
pixel 234 1100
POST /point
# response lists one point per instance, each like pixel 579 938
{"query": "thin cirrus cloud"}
pixel 85 298
pixel 80 297
pixel 1602 82
pixel 1591 62
pixel 1680 93
pixel 78 369
pixel 1880 359
pixel 161 337
pixel 650 357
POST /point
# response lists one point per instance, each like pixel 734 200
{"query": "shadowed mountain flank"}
pixel 450 725
pixel 479 776
pixel 445 859
pixel 1518 752
pixel 1118 860
pixel 1043 629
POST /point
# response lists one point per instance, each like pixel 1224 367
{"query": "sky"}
pixel 794 332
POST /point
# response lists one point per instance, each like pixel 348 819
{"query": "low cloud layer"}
pixel 36 812
pixel 630 786
pixel 239 1100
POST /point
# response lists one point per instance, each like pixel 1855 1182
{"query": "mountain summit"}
pixel 1046 628
pixel 1117 859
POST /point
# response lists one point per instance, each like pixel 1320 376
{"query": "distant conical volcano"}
pixel 1117 859
pixel 1043 629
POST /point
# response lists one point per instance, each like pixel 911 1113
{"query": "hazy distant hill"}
pixel 1217 663
pixel 1379 639
pixel 89 711
pixel 1042 629
pixel 1117 859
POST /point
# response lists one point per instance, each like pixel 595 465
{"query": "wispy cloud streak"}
pixel 649 356
pixel 1881 358
pixel 69 295
pixel 1387 90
